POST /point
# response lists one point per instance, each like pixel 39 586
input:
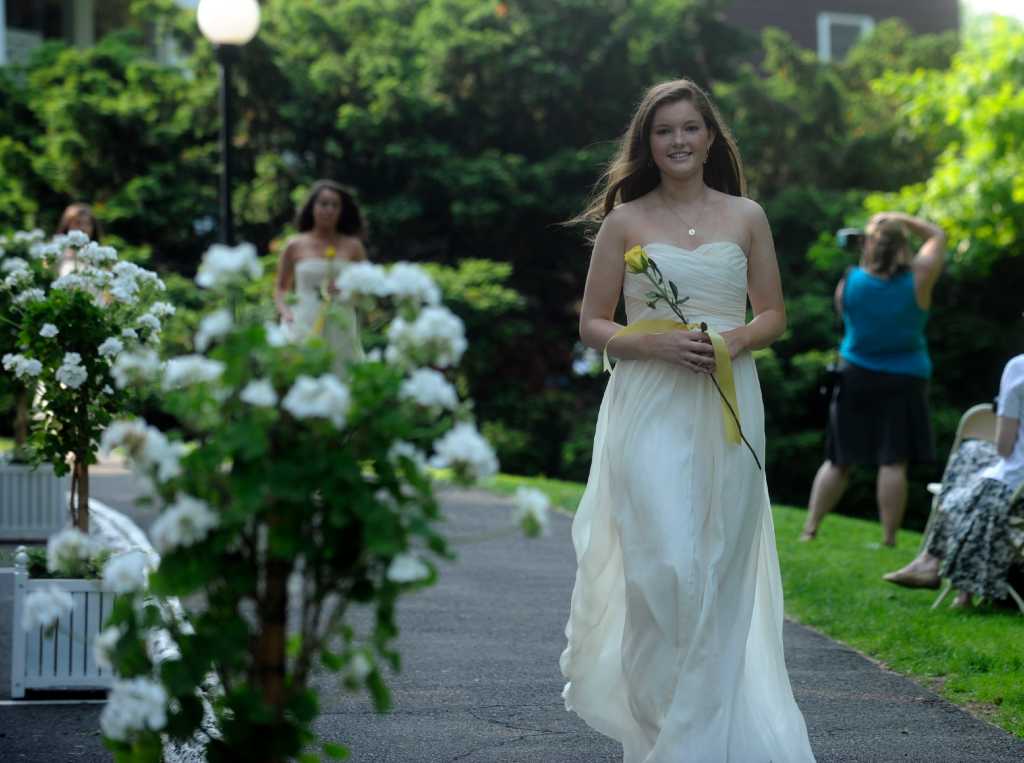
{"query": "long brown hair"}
pixel 350 221
pixel 882 247
pixel 632 172
pixel 76 210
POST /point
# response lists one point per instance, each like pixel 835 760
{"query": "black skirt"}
pixel 877 418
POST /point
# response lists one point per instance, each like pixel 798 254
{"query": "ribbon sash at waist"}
pixel 723 365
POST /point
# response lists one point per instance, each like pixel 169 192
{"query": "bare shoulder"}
pixel 354 249
pixel 624 215
pixel 748 210
pixel 293 246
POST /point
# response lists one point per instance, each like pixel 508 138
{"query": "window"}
pixel 838 32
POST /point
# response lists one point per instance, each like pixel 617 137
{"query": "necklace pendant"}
pixel 692 231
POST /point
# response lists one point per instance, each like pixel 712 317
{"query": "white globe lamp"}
pixel 228 22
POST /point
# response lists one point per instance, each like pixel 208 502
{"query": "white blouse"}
pixel 1011 405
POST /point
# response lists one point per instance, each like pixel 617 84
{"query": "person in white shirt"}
pixel 970 541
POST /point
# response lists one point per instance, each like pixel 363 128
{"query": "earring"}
pixel 707 156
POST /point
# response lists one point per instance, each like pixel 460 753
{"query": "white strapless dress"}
pixel 338 326
pixel 675 629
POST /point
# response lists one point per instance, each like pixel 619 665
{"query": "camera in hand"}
pixel 850 239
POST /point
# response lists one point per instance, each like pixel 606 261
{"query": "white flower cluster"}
pixel 429 388
pixel 45 607
pixel 324 397
pixel 136 366
pixel 28 236
pixel 96 255
pixel 222 264
pixel 74 238
pixel 162 309
pixel 146 447
pixel 17 277
pixel 359 667
pixel 128 280
pixel 67 549
pixel 213 327
pixel 122 282
pixel 404 281
pixel 134 705
pixel 531 511
pixel 401 449
pixel 465 450
pixel 411 282
pixel 11 264
pixel 48 331
pixel 126 572
pixel 22 366
pixel 186 522
pixel 186 370
pixel 436 337
pixel 276 335
pixel 111 347
pixel 363 279
pixel 29 295
pixel 104 644
pixel 71 372
pixel 149 322
pixel 259 393
pixel 407 568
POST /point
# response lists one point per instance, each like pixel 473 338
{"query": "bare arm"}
pixel 927 264
pixel 764 288
pixel 358 251
pixel 837 297
pixel 285 281
pixel 1007 429
pixel 601 296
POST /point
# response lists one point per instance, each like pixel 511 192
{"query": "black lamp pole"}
pixel 226 55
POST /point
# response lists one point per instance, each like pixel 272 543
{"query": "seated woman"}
pixel 969 542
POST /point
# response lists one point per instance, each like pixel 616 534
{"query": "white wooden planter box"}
pixel 33 502
pixel 63 658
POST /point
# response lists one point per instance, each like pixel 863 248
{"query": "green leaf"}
pixel 336 751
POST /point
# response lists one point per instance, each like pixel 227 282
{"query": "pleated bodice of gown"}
pixel 675 627
pixel 340 329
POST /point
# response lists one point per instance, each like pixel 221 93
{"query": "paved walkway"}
pixel 480 680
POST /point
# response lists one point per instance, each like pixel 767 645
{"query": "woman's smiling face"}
pixel 679 139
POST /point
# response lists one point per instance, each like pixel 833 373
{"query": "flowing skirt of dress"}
pixel 336 322
pixel 675 629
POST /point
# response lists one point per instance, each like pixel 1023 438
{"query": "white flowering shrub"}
pixel 25 274
pixel 71 336
pixel 287 494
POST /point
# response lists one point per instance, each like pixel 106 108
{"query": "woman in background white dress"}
pixel 330 235
pixel 675 629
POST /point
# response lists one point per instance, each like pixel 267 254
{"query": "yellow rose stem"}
pixel 638 262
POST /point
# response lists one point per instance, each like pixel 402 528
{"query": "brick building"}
pixel 831 27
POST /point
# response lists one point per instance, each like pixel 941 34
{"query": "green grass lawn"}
pixel 974 658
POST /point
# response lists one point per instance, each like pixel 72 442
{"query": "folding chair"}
pixel 978 422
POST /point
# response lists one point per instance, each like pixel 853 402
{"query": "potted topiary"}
pixel 32 504
pixel 71 339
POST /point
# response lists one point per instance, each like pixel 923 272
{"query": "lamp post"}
pixel 228 24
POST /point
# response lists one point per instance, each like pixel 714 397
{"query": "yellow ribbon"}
pixel 723 365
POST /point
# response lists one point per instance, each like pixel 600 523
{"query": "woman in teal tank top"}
pixel 879 412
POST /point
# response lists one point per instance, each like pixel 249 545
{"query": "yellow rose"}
pixel 636 259
pixel 329 253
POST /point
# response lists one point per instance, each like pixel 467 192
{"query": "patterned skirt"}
pixel 976 532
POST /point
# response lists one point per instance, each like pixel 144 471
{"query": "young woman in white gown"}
pixel 330 234
pixel 675 629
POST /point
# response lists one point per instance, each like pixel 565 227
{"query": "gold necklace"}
pixel 691 229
